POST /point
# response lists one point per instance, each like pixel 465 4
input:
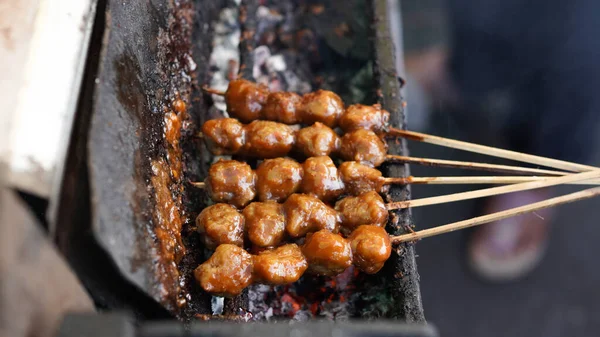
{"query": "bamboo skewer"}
pixel 492 151
pixel 213 91
pixel 572 197
pixel 459 180
pixel 486 192
pixel 470 180
pixel 474 166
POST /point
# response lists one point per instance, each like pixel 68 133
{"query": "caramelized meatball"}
pixel 224 136
pixel 365 209
pixel 227 272
pixel 371 247
pixel 322 106
pixel 321 179
pixel 283 107
pixel 327 253
pixel 358 116
pixel 317 140
pixel 280 266
pixel 363 146
pixel 266 139
pixel 359 178
pixel 221 223
pixel 232 182
pixel 265 223
pixel 305 213
pixel 278 179
pixel 245 100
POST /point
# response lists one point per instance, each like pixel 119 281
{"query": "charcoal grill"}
pixel 156 52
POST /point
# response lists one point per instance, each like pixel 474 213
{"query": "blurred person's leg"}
pixel 530 71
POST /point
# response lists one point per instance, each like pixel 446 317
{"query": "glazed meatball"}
pixel 283 107
pixel 245 100
pixel 321 179
pixel 224 136
pixel 280 266
pixel 365 209
pixel 278 179
pixel 265 223
pixel 227 272
pixel 359 178
pixel 232 182
pixel 358 116
pixel 305 213
pixel 317 140
pixel 363 146
pixel 371 247
pixel 219 224
pixel 266 139
pixel 327 253
pixel 322 106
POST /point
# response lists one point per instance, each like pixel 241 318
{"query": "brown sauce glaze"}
pixel 245 100
pixel 321 179
pixel 232 182
pixel 363 146
pixel 365 209
pixel 327 253
pixel 283 107
pixel 280 266
pixel 278 178
pixel 219 224
pixel 322 106
pixel 371 247
pixel 227 272
pixel 305 213
pixel 359 178
pixel 265 139
pixel 368 117
pixel 317 140
pixel 265 223
pixel 224 136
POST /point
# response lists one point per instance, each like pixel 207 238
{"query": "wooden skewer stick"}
pixel 492 151
pixel 486 192
pixel 213 91
pixel 473 166
pixel 581 195
pixel 500 180
pixel 198 184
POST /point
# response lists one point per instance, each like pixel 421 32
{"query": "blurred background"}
pixel 506 73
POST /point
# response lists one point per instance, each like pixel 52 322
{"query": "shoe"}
pixel 509 249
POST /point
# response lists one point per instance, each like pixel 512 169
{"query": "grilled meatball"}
pixel 283 107
pixel 278 179
pixel 280 266
pixel 266 139
pixel 368 117
pixel 322 106
pixel 363 146
pixel 224 136
pixel 245 100
pixel 321 179
pixel 227 272
pixel 317 140
pixel 359 178
pixel 219 224
pixel 265 223
pixel 232 182
pixel 365 209
pixel 371 247
pixel 327 253
pixel 305 213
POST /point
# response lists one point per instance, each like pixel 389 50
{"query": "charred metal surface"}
pixel 141 148
pixel 402 267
